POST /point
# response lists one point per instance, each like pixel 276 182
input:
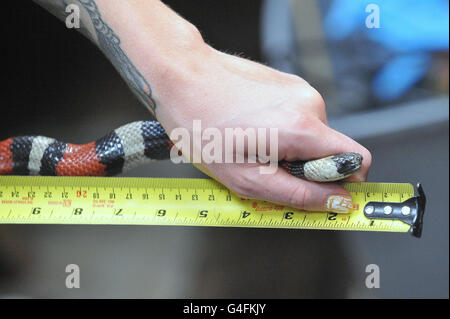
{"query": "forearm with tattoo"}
pixel 95 28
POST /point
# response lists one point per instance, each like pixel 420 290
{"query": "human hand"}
pixel 224 92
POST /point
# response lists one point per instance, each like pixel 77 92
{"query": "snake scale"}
pixel 129 146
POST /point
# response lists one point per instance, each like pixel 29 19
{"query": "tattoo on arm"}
pixel 95 28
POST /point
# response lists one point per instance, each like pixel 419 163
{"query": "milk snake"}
pixel 129 146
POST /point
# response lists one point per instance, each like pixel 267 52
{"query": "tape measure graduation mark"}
pixel 195 202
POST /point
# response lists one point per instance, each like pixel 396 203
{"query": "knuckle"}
pixel 308 98
pixel 242 185
pixel 300 196
pixel 320 104
pixel 312 97
pixel 315 97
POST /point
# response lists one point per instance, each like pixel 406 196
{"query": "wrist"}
pixel 177 77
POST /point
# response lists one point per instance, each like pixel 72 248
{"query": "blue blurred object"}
pixel 410 29
pixel 400 74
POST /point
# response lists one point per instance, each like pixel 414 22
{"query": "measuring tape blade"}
pixel 389 207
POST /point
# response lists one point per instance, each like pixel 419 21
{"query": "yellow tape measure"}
pixel 195 202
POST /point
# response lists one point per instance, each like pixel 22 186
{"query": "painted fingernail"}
pixel 339 204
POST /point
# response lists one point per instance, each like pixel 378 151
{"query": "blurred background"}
pixel 385 85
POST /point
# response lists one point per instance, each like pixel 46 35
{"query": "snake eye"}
pixel 354 158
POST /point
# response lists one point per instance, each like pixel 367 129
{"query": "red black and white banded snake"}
pixel 129 146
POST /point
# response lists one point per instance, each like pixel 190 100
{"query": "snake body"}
pixel 129 146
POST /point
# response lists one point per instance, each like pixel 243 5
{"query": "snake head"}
pixel 347 163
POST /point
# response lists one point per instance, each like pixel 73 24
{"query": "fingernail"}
pixel 339 204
